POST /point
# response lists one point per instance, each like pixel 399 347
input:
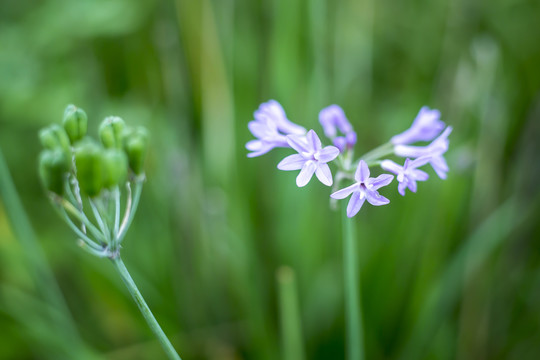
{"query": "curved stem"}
pixel 131 208
pixel 353 307
pixel 145 310
pixel 116 212
pixel 79 216
pixel 77 231
pixel 102 224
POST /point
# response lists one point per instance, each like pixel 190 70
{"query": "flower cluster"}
pixel 81 174
pixel 272 129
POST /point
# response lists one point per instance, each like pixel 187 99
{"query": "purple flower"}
pixel 267 135
pixel 311 159
pixel 433 151
pixel 425 127
pixel 273 111
pixel 408 174
pixel 270 127
pixel 364 189
pixel 332 119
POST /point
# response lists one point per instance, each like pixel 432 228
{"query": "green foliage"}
pixel 449 272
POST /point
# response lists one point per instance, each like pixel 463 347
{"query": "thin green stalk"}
pixel 384 150
pixel 353 307
pixel 102 224
pixel 116 212
pixel 145 310
pixel 131 208
pixel 291 328
pixel 77 231
pixel 81 217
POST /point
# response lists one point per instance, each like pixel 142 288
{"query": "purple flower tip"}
pixel 364 189
pixel 333 119
pixel 434 152
pixel 425 127
pixel 270 127
pixel 408 174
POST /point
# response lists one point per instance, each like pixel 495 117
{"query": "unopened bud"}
pixel 88 161
pixel 115 166
pixel 54 137
pixel 52 169
pixel 136 146
pixel 75 123
pixel 110 132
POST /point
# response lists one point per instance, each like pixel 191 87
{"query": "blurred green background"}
pixel 450 272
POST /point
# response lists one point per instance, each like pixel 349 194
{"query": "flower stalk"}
pixel 145 310
pixel 84 177
pixel 351 277
pixel 272 129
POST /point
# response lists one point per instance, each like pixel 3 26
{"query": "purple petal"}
pixel 343 193
pixel 306 173
pixel 425 127
pixel 412 151
pixel 328 154
pixel 327 122
pixel 261 128
pixel 355 204
pixel 362 172
pixel 350 137
pixel 254 145
pixel 421 161
pixel 411 184
pixel 313 141
pixel 380 181
pixel 440 166
pixel 258 147
pixel 324 175
pixel 401 188
pixel 274 112
pixel 420 175
pixel 340 142
pixel 391 166
pixel 332 117
pixel 445 133
pixel 292 162
pixel 298 143
pixel 376 199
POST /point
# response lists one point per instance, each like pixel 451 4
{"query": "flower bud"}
pixel 136 146
pixel 89 164
pixel 75 123
pixel 115 166
pixel 110 132
pixel 52 169
pixel 54 137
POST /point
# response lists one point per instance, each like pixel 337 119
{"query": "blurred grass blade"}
pixel 446 292
pixel 37 265
pixel 36 317
pixel 291 328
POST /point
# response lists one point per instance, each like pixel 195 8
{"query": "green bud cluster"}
pixel 70 154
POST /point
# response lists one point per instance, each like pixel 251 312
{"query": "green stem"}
pixel 353 307
pixel 379 152
pixel 79 216
pixel 116 212
pixel 102 224
pixel 145 310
